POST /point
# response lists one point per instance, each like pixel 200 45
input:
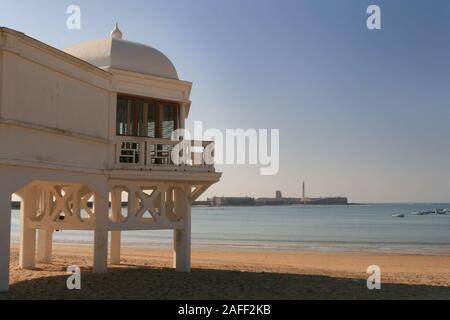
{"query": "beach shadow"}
pixel 157 284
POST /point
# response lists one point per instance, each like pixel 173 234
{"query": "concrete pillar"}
pixel 116 208
pixel 44 247
pixel 44 236
pixel 27 254
pixel 116 239
pixel 182 237
pixel 101 210
pixel 183 107
pixel 5 238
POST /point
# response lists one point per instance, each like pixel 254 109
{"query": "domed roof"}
pixel 116 53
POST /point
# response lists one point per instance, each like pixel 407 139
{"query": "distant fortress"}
pixel 279 200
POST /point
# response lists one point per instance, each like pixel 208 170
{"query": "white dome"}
pixel 116 53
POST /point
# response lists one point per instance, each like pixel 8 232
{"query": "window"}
pixel 122 116
pixel 152 107
pixel 137 118
pixel 146 118
pixel 170 120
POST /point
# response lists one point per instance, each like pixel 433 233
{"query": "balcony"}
pixel 140 153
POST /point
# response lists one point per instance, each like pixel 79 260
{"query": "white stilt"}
pixel 44 236
pixel 116 207
pixel 27 255
pixel 44 247
pixel 116 239
pixel 101 208
pixel 5 233
pixel 182 237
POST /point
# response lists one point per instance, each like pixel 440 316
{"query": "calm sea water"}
pixel 324 228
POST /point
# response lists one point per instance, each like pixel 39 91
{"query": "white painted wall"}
pixel 18 143
pixel 37 94
pixel 52 110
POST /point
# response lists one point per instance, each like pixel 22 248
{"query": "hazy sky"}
pixel 363 114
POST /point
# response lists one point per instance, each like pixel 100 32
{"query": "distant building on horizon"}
pixel 278 195
pixel 231 201
pixel 277 201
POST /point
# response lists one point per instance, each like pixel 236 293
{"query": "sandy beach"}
pixel 237 274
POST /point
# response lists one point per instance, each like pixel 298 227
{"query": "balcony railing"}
pixel 152 152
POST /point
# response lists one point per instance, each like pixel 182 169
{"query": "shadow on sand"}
pixel 156 284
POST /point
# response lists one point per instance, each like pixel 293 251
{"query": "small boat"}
pixel 398 215
pixel 441 211
pixel 422 213
pixel 419 213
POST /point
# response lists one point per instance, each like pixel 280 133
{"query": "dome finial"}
pixel 116 33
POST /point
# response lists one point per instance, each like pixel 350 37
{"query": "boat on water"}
pixel 436 211
pixel 421 213
pixel 398 215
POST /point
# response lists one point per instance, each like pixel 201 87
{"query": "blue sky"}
pixel 363 114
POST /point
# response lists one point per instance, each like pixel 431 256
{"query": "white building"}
pixel 93 123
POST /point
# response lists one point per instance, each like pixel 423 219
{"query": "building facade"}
pixel 94 123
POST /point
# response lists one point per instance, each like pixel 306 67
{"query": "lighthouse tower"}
pixel 304 193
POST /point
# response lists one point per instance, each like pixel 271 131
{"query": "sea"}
pixel 353 228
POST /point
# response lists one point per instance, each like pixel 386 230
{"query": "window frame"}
pixel 132 125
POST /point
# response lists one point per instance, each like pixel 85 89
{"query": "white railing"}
pixel 154 152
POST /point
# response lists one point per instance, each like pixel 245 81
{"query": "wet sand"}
pixel 239 274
